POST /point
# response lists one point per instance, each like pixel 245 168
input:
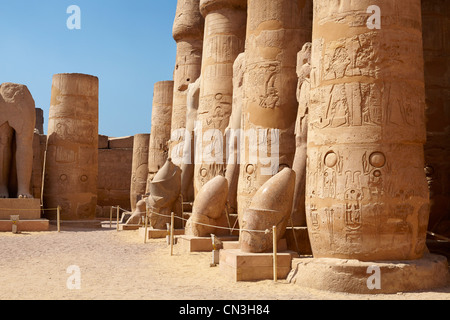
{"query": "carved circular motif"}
pixel 84 178
pixel 331 159
pixel 377 159
pixel 250 169
pixel 203 172
pixel 219 96
pixel 63 177
pixel 377 173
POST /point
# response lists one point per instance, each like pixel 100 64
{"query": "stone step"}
pixel 27 209
pixel 37 225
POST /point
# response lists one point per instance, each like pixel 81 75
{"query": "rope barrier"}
pixel 41 209
pixel 267 231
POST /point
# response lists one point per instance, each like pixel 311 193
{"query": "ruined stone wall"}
pixel 114 174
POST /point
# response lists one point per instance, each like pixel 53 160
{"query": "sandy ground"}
pixel 119 266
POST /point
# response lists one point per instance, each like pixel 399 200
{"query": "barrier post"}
pixel 58 218
pixel 146 225
pixel 118 214
pixel 172 221
pixel 110 216
pixel 275 258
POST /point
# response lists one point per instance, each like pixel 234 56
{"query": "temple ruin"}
pixel 329 116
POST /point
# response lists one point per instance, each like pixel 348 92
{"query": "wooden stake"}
pixel 172 220
pixel 110 217
pixel 118 214
pixel 146 225
pixel 275 258
pixel 58 218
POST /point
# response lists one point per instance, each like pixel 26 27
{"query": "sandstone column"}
pixel 276 32
pixel 139 169
pixel 72 151
pixel 367 196
pixel 188 33
pixel 224 39
pixel 436 28
pixel 161 124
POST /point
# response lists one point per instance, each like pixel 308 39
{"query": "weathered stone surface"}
pixel 72 154
pixel 39 121
pixel 103 142
pixel 161 126
pixel 301 134
pixel 276 32
pixel 225 23
pixel 164 198
pixel 208 211
pixel 39 146
pixel 17 123
pixel 121 143
pixel 271 206
pixel 114 179
pixel 436 26
pixel 139 169
pixel 188 30
pixel 367 196
pixel 233 133
pixel 188 164
pixel 354 276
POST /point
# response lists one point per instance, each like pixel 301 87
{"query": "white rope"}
pixel 267 231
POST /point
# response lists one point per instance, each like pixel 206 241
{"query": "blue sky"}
pixel 127 44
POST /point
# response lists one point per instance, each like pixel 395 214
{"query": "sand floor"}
pixel 119 266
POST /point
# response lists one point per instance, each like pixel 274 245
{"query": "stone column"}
pixel 436 28
pixel 72 151
pixel 188 33
pixel 139 169
pixel 276 32
pixel 224 39
pixel 367 196
pixel 161 124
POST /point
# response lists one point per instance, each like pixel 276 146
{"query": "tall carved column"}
pixel 276 32
pixel 224 39
pixel 72 151
pixel 436 28
pixel 161 124
pixel 139 169
pixel 188 33
pixel 367 196
pixel 367 201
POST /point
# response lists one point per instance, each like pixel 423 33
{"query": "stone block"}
pixel 243 266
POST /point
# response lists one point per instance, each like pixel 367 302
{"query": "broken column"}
pixel 225 24
pixel 72 151
pixel 276 32
pixel 161 124
pixel 188 33
pixel 139 169
pixel 366 198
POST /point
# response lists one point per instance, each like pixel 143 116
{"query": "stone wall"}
pixel 115 157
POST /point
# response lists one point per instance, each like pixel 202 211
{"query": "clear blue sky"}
pixel 127 44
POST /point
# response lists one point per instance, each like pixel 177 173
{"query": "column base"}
pixel 354 276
